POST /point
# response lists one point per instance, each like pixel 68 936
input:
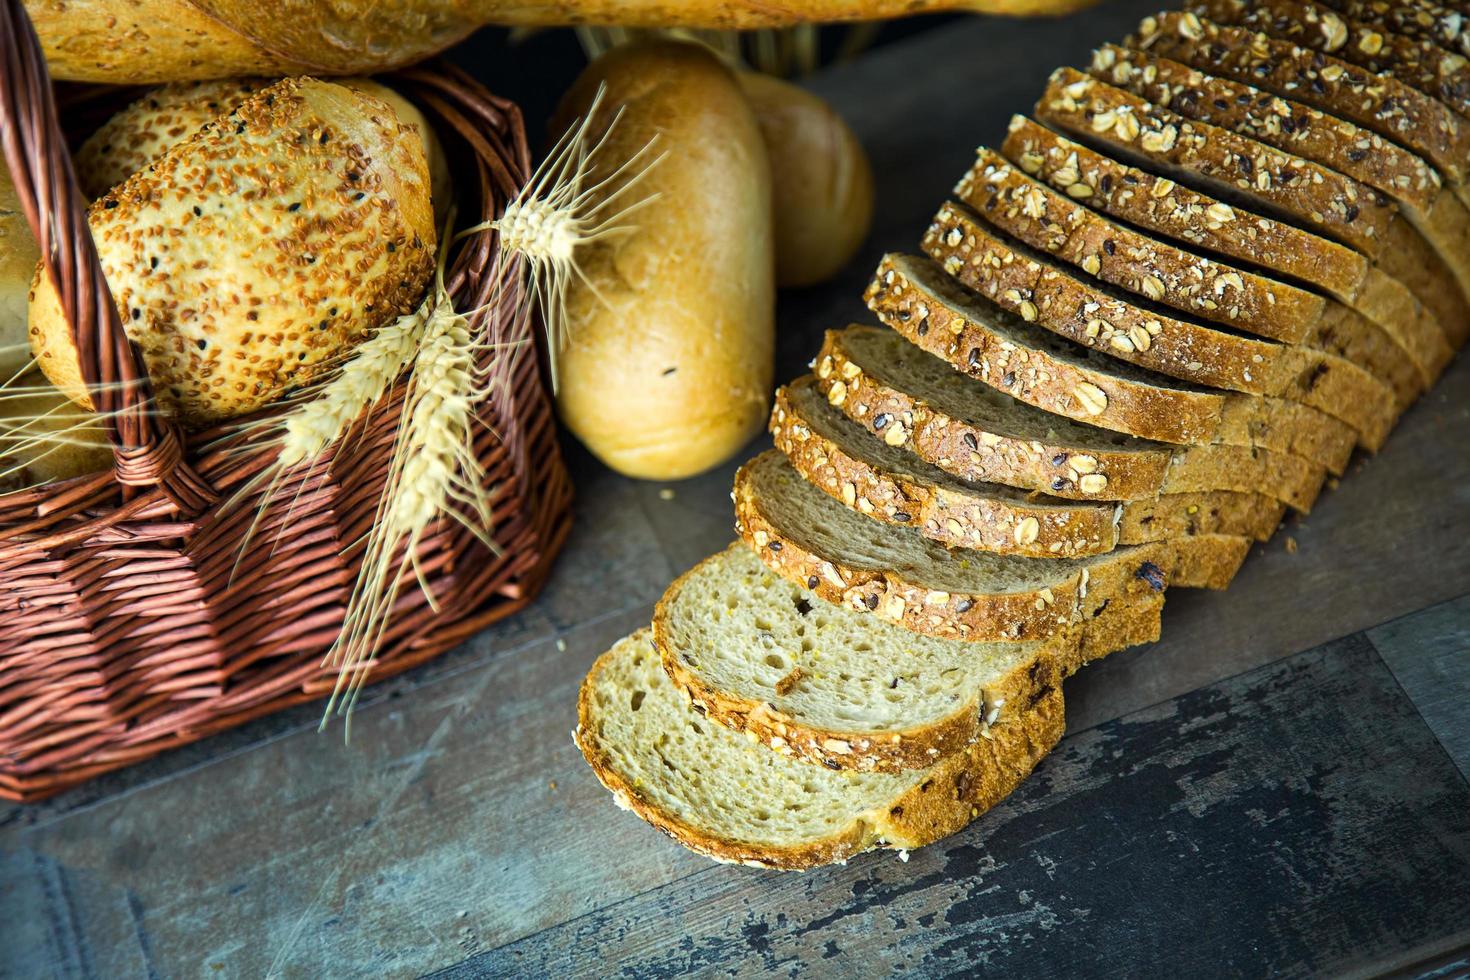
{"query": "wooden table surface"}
pixel 1278 786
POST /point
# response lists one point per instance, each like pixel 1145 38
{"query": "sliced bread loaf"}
pixel 1207 223
pixel 1235 296
pixel 1137 330
pixel 1425 20
pixel 900 576
pixel 1381 103
pixel 1257 177
pixel 732 799
pixel 914 400
pixel 817 682
pixel 1376 163
pixel 851 464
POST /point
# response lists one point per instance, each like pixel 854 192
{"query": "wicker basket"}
pixel 125 628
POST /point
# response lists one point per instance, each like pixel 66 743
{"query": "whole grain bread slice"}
pixel 1135 329
pixel 993 345
pixel 1399 174
pixel 1257 177
pixel 898 575
pixel 1443 24
pixel 977 433
pixel 851 464
pixel 826 685
pixel 724 796
pixel 1235 296
pixel 1381 103
pixel 1414 61
pixel 1206 223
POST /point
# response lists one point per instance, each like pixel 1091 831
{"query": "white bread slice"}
pixel 825 684
pixel 914 400
pixel 898 575
pixel 851 464
pixel 729 798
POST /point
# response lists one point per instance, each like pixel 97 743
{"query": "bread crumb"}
pixel 903 855
pixel 1290 545
pixel 561 645
pixel 552 784
pixel 666 494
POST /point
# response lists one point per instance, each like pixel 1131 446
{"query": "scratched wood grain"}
pixel 1427 653
pixel 1298 820
pixel 438 835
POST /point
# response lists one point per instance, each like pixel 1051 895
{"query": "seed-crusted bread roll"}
pixel 249 257
pixel 668 360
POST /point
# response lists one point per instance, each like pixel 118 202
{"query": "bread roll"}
pixel 44 437
pixel 250 256
pixel 147 41
pixel 140 133
pixel 667 369
pixel 821 183
pixel 18 257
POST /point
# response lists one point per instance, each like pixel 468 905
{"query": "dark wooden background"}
pixel 1279 786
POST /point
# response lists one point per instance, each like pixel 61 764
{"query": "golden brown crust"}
pixel 1205 561
pixel 1003 524
pixel 1048 221
pixel 1142 471
pixel 975 617
pixel 1177 515
pixel 1111 626
pixel 959 788
pixel 1039 292
pixel 229 312
pixel 1032 373
pixel 1379 102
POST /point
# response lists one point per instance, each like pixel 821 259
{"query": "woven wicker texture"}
pixel 126 627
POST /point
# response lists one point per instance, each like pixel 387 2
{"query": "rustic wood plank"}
pixel 1296 820
pixel 1429 654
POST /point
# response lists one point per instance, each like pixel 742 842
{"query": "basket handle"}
pixel 147 447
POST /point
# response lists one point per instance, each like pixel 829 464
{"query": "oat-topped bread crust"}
pixel 1026 282
pixel 1381 103
pixel 900 576
pixel 976 433
pixel 736 801
pixel 1403 176
pixel 1413 61
pixel 991 344
pixel 827 685
pixel 1200 221
pixel 1047 220
pixel 1425 20
pixel 1259 177
pixel 853 465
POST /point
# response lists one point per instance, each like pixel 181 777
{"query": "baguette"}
pixel 827 685
pixel 736 801
pixel 980 339
pixel 1259 178
pixel 1361 154
pixel 1200 221
pixel 1381 103
pixel 978 434
pixel 1234 296
pixel 902 577
pixel 1025 282
pixel 850 464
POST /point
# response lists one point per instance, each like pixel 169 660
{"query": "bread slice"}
pixel 1257 177
pixel 729 798
pixel 1088 312
pixel 1381 103
pixel 1424 20
pixel 1398 174
pixel 1413 61
pixel 1235 296
pixel 900 576
pixel 977 433
pixel 1208 224
pixel 817 682
pixel 849 463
